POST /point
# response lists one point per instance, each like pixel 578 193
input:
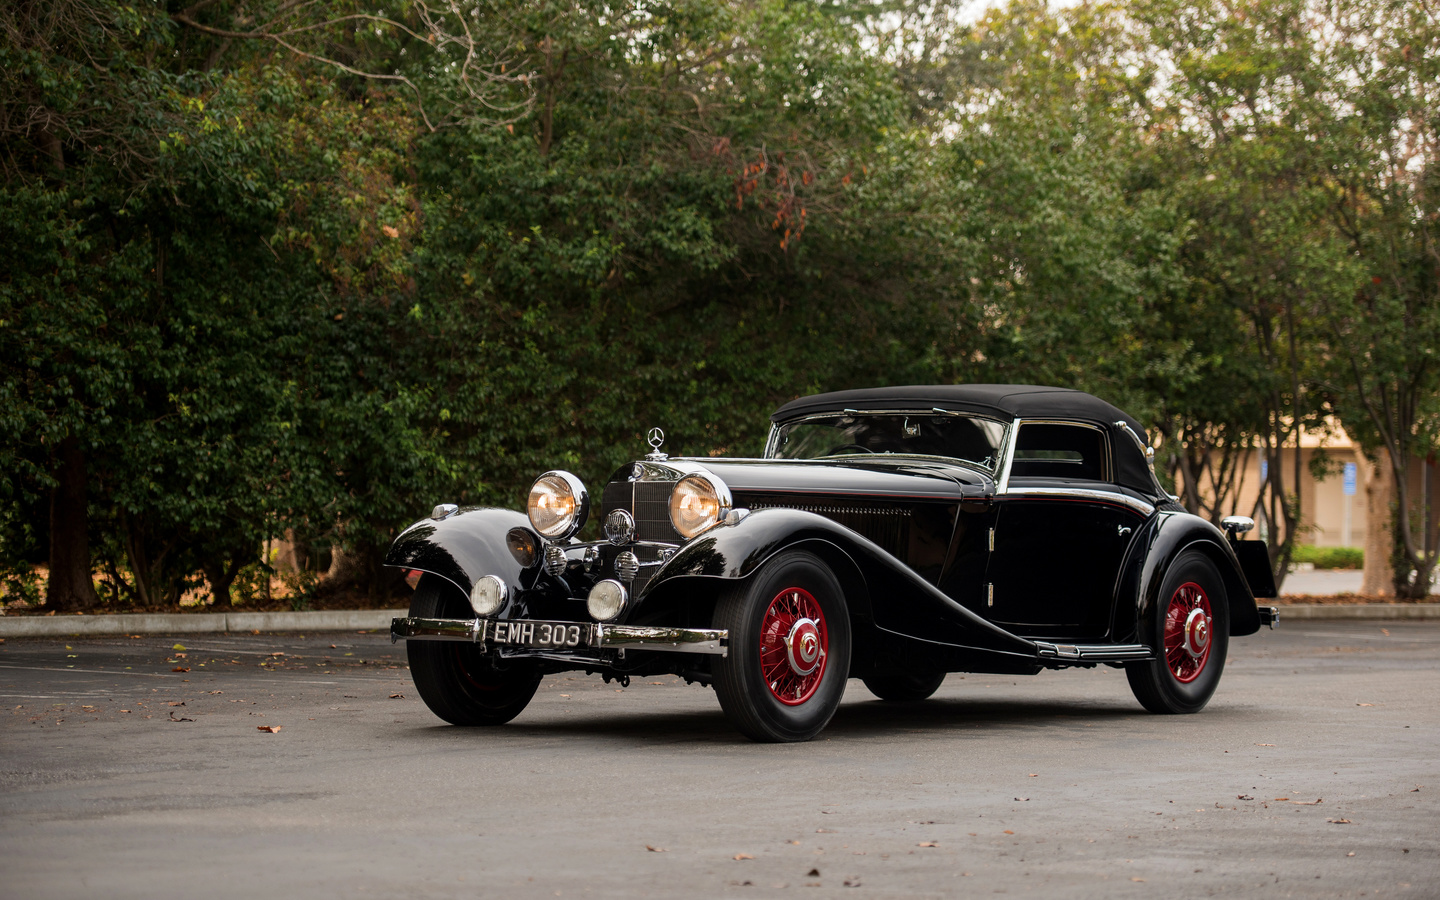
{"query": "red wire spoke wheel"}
pixel 794 645
pixel 789 649
pixel 1189 626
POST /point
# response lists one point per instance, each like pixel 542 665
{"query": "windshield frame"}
pixel 1001 453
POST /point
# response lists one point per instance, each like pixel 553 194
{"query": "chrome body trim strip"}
pixel 1140 506
pixel 708 641
pixel 1092 652
pixel 1009 460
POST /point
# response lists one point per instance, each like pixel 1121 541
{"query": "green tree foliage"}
pixel 203 307
pixel 308 269
pixel 686 233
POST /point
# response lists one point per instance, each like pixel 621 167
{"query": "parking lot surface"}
pixel 130 767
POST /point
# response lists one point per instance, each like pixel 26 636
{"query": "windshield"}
pixel 968 438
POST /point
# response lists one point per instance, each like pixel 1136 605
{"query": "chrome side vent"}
pixel 887 525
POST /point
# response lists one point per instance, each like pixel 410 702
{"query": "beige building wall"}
pixel 1329 517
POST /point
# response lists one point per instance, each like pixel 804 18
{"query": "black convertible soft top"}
pixel 1005 401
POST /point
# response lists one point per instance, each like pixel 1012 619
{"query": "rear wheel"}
pixel 454 678
pixel 905 686
pixel 1190 631
pixel 789 649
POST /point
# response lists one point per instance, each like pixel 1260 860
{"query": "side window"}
pixel 1059 451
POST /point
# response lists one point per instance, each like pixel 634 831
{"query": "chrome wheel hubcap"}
pixel 802 647
pixel 1197 633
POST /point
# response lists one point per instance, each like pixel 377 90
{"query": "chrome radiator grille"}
pixel 648 502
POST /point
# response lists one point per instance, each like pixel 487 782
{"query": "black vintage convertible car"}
pixel 892 535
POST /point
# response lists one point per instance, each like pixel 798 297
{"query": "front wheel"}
pixel 789 649
pixel 454 678
pixel 1190 631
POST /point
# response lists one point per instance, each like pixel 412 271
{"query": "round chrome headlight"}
pixel 487 595
pixel 606 600
pixel 558 505
pixel 697 503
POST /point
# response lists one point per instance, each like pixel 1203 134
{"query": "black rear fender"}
pixel 463 547
pixel 1171 534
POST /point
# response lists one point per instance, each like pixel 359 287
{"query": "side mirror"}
pixel 1236 525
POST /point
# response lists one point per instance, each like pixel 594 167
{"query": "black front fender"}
pixel 463 547
pixel 889 594
pixel 1172 534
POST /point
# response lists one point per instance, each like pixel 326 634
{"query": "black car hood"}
pixel 880 477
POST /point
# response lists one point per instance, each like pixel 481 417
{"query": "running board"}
pixel 1085 653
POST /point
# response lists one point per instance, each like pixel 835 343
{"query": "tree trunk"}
pixel 1379 538
pixel 70 584
pixel 221 575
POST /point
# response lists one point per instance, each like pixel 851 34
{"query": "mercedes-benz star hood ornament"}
pixel 656 437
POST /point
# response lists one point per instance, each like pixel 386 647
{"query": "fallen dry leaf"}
pixel 177 702
pixel 178 647
pixel 1133 878
pixel 1364 704
pixel 1264 745
pixel 742 856
pixel 1034 774
pixel 927 844
pixel 181 669
pixel 1022 799
pixel 272 729
pixel 397 696
pixel 824 831
pixel 1280 799
pixel 1339 822
pixel 852 882
pixel 1318 801
pixel 1243 797
pixel 813 873
pixel 181 719
pixel 657 849
pixel 1008 831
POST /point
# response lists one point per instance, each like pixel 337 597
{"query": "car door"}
pixel 1060 535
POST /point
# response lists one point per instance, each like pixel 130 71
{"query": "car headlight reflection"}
pixel 558 505
pixel 697 503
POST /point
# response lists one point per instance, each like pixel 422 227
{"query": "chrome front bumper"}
pixel 710 641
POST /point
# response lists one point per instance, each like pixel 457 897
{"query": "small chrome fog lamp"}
pixel 606 600
pixel 558 505
pixel 487 595
pixel 555 560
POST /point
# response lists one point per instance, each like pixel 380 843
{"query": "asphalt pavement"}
pixel 133 768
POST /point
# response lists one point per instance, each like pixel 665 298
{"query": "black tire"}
pixel 794 583
pixel 905 687
pixel 454 678
pixel 1177 681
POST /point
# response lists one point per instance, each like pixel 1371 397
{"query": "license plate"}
pixel 529 633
